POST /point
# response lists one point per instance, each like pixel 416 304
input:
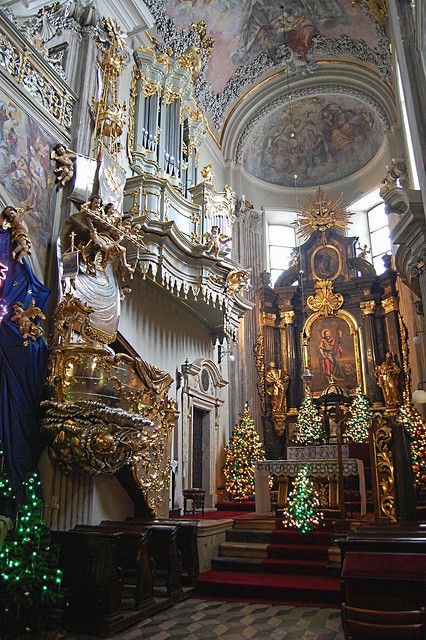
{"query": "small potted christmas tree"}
pixel 303 505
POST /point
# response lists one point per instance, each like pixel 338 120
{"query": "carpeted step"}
pixel 298 551
pixel 248 535
pixel 247 505
pixel 290 536
pixel 266 524
pixel 243 549
pixel 270 586
pixel 295 567
pixel 243 565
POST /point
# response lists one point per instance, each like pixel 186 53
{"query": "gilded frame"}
pixel 355 333
pixel 339 262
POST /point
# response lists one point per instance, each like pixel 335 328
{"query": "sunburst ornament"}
pixel 322 213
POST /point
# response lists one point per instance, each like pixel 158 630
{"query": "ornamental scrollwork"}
pixel 325 301
pixel 385 473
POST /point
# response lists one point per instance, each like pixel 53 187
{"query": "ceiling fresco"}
pixel 254 36
pixel 327 138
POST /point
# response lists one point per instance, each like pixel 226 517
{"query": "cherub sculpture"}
pixel 23 318
pixel 363 251
pixel 93 205
pixel 64 163
pixel 214 240
pixel 110 214
pixel 13 219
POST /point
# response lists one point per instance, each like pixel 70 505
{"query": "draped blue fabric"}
pixel 22 371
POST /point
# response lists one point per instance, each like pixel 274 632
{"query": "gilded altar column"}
pixel 391 308
pixel 268 321
pixel 368 308
pixel 288 352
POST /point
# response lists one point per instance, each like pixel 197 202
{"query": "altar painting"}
pixel 333 353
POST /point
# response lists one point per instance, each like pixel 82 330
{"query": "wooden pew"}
pixel 93 578
pixel 162 548
pixel 368 624
pixel 133 556
pixel 187 543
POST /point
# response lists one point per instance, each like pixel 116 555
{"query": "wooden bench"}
pixel 368 624
pixel 92 577
pixel 162 548
pixel 133 556
pixel 187 543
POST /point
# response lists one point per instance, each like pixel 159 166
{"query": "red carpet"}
pixel 272 587
pixel 295 571
pixel 213 515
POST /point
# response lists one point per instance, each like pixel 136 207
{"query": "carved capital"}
pixel 390 304
pixel 287 317
pixel 268 319
pixel 367 307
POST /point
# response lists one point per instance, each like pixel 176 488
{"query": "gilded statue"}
pixel 207 172
pixel 236 280
pixel 214 240
pixel 387 375
pixel 13 219
pixel 23 317
pixel 276 386
pixel 64 163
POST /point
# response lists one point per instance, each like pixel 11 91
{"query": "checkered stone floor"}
pixel 200 620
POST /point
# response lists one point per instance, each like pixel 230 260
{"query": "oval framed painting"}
pixel 326 263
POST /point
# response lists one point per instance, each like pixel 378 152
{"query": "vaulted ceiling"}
pixel 333 128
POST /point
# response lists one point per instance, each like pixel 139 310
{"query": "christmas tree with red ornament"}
pixel 244 449
pixel 411 420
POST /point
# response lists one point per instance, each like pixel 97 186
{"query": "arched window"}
pixel 281 240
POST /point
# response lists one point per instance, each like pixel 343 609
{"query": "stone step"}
pixel 248 535
pixel 243 549
pixel 267 524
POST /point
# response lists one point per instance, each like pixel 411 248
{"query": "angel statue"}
pixel 363 251
pixel 64 163
pixel 23 318
pixel 214 240
pixel 13 219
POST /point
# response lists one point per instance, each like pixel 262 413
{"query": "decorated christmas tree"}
pixel 411 420
pixel 243 450
pixel 30 581
pixel 358 423
pixel 309 428
pixel 303 505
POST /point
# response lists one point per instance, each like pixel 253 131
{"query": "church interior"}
pixel 212 335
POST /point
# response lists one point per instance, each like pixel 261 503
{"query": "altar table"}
pixel 316 468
